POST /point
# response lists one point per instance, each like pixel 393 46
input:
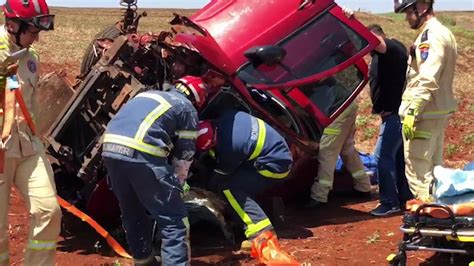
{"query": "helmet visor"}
pixel 43 22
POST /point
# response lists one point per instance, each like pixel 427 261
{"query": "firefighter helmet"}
pixel 194 89
pixel 206 139
pixel 32 12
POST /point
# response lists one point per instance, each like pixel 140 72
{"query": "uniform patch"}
pixel 424 36
pixel 424 50
pixel 31 66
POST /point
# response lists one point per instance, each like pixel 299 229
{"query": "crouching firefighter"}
pixel 250 157
pixel 23 162
pixel 136 147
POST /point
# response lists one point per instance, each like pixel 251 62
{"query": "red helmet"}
pixel 194 88
pixel 33 12
pixel 206 139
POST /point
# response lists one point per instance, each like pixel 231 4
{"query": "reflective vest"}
pixel 243 138
pixel 154 123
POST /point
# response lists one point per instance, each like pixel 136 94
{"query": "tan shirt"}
pixel 22 143
pixel 430 73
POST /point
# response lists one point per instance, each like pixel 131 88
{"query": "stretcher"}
pixel 421 232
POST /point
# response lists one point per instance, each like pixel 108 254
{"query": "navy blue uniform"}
pixel 253 156
pixel 136 146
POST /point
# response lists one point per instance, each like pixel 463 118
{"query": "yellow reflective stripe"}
pixel 325 182
pixel 441 112
pixel 4 256
pixel 255 228
pixel 461 238
pixel 188 235
pixel 262 131
pixel 212 153
pixel 251 227
pixel 187 134
pixel 3 46
pixel 422 134
pixel 233 202
pixel 331 131
pixel 359 174
pixel 41 245
pixel 270 174
pixel 153 115
pixel 182 88
pixel 135 144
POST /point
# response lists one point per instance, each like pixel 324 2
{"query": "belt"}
pixel 385 113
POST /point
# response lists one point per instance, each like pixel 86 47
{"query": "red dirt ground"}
pixel 341 233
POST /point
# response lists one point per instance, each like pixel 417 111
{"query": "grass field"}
pixel 75 28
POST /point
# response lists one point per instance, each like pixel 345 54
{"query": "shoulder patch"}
pixel 32 67
pixel 424 36
pixel 424 50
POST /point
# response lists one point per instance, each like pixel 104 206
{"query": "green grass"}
pixel 369 133
pixel 469 138
pixel 451 149
pixel 373 238
pixel 76 27
pixel 362 120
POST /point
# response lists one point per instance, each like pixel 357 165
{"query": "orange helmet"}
pixel 194 89
pixel 32 12
pixel 206 139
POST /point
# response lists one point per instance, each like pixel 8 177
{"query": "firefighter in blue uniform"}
pixel 136 147
pixel 251 156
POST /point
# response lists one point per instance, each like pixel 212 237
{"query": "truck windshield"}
pixel 320 45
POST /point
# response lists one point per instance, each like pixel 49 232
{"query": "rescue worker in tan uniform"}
pixel 428 100
pixel 338 138
pixel 24 162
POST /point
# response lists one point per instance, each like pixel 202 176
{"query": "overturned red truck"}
pixel 297 64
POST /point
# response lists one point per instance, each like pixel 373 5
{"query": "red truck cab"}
pixel 298 64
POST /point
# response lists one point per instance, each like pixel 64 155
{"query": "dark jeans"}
pixel 142 187
pixel 393 185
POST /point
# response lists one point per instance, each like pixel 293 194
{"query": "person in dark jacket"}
pixel 136 147
pixel 250 157
pixel 387 75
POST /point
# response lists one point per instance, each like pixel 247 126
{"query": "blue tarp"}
pixel 369 163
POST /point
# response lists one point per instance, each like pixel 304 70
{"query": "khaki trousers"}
pixel 422 154
pixel 34 179
pixel 337 139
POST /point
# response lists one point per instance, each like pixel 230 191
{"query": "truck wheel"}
pixel 95 48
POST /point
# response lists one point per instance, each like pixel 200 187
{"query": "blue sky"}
pixel 375 6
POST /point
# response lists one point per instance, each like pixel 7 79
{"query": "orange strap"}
pixel 8 101
pixel 8 104
pixel 97 227
pixel 24 110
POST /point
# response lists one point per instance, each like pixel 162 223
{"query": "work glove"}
pixel 408 127
pixel 186 188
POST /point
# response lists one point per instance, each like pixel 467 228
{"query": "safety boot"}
pixel 266 249
pixel 246 247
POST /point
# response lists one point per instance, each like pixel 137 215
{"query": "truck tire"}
pixel 92 54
